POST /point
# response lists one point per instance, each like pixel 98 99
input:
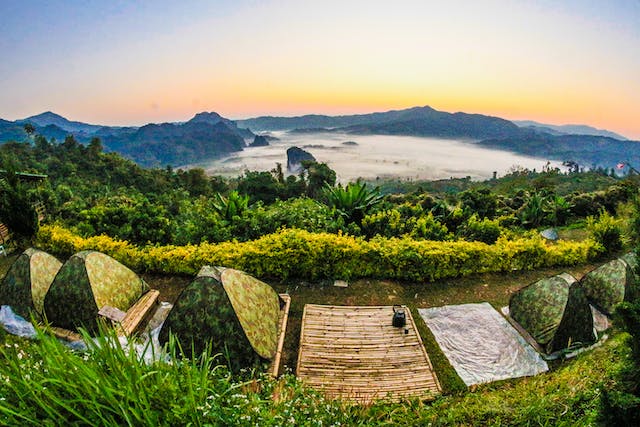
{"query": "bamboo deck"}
pixel 356 354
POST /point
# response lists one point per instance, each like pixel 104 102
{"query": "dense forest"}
pixel 93 192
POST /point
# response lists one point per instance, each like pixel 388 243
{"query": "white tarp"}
pixel 480 344
pixel 15 324
pixel 149 351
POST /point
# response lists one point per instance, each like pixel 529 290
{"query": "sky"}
pixel 134 62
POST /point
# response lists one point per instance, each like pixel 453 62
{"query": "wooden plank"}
pixel 302 331
pixel 112 313
pixel 284 315
pixel 65 334
pixel 138 312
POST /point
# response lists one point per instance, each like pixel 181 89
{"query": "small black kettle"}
pixel 399 316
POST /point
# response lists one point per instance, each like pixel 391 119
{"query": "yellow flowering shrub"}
pixel 297 253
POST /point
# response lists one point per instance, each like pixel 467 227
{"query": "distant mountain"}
pixel 417 121
pixel 315 121
pixel 438 124
pixel 205 136
pixel 587 150
pixel 213 118
pixel 209 135
pixel 49 118
pixel 175 144
pixel 11 131
pixel 568 129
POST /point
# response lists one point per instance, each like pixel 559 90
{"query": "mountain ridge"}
pixel 571 129
pixel 51 118
pixel 208 135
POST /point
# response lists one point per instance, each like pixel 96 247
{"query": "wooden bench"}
pixel 126 324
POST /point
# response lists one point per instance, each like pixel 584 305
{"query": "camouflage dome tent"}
pixel 87 282
pixel 555 312
pixel 27 282
pixel 234 313
pixel 612 283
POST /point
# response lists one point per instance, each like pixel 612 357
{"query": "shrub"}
pixel 635 220
pixel 387 223
pixel 429 228
pixel 302 213
pixel 392 223
pixel 297 253
pixel 481 202
pixel 606 230
pixel 484 230
pixel 558 210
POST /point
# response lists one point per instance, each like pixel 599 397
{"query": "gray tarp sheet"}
pixel 149 351
pixel 480 344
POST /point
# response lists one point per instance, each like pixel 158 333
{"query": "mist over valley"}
pixel 377 156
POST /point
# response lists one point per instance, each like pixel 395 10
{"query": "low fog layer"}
pixel 378 156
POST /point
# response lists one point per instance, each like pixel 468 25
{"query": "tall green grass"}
pixel 45 383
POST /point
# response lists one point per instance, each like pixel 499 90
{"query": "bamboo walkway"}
pixel 356 354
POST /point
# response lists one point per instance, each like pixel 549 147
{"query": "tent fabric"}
pixel 612 283
pixel 27 282
pixel 480 344
pixel 632 292
pixel 539 307
pixel 87 282
pixel 228 310
pixel 258 309
pixel 555 312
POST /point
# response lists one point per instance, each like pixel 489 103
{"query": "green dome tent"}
pixel 555 312
pixel 612 283
pixel 234 313
pixel 87 282
pixel 27 282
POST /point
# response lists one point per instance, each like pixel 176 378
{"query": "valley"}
pixel 376 157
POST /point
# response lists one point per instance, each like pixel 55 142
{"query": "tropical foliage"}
pixel 353 201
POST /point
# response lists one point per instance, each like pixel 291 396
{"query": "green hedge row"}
pixel 297 253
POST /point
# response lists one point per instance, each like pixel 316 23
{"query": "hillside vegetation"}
pixel 306 230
